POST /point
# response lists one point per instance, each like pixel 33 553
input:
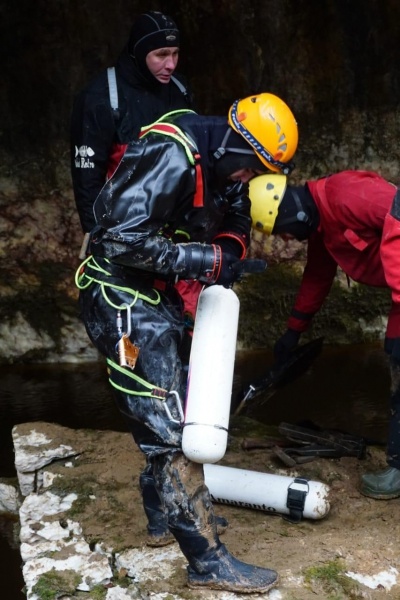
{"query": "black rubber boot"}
pixel 192 522
pixel 383 485
pixel 217 569
pixel 157 526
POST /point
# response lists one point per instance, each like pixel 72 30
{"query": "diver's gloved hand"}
pixel 284 346
pixel 227 275
pixel 392 348
pixel 210 264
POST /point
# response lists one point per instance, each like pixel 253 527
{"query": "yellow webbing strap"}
pixel 83 280
pixel 151 390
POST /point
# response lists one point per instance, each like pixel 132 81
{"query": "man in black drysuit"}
pixel 146 88
pixel 177 210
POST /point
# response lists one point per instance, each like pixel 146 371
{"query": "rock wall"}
pixel 335 63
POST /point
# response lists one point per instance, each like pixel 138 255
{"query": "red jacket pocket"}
pixel 355 240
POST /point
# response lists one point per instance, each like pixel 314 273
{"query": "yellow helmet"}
pixel 269 126
pixel 266 193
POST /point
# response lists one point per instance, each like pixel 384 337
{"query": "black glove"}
pixel 227 275
pixel 285 345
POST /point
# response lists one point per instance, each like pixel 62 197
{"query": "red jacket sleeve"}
pixel 318 276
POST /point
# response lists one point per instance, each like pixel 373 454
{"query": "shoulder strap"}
pixel 113 90
pixel 191 151
pixel 180 85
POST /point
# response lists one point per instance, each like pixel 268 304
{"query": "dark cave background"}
pixel 335 62
pixel 330 60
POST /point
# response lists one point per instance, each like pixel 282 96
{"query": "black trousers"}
pixel 393 446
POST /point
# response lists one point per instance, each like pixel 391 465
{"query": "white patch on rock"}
pixel 386 579
pixel 93 568
pixel 142 564
pixel 57 545
pixel 46 479
pixel 36 506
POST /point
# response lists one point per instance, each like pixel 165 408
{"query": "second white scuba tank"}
pixel 296 497
pixel 210 379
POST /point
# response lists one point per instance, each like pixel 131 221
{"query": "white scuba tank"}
pixel 210 378
pixel 268 492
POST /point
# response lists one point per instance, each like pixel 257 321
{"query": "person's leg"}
pixel 385 485
pixel 157 527
pixel 144 398
pixel 191 520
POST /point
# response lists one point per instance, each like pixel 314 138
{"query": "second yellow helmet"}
pixel 266 193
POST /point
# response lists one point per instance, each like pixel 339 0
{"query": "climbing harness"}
pixel 89 272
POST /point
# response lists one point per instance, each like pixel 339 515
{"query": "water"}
pixel 346 388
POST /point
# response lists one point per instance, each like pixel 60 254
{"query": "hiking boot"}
pixel 383 485
pixel 160 536
pixel 222 571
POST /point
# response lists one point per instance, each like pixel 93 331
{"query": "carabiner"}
pixel 128 319
pixel 178 404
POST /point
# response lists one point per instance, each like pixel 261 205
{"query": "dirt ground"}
pixel 359 534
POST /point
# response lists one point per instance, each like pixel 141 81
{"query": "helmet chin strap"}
pixel 301 216
pixel 224 148
pixel 297 213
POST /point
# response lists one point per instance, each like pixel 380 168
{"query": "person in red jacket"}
pixel 351 221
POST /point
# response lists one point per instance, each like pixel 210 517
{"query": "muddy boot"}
pixel 192 522
pixel 212 566
pixel 157 527
pixel 383 485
